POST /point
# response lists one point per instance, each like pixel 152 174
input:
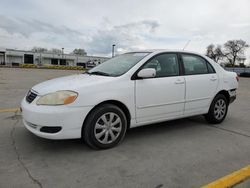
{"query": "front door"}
pixel 161 97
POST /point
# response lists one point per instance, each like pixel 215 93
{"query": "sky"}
pixel 129 24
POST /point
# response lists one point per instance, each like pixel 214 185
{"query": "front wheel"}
pixel 218 109
pixel 105 127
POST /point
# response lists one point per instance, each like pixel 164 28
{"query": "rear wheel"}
pixel 218 109
pixel 105 127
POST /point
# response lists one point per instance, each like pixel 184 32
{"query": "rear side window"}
pixel 194 64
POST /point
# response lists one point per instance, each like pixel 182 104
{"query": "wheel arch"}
pixel 225 93
pixel 117 103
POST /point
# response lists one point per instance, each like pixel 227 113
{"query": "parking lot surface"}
pixel 181 153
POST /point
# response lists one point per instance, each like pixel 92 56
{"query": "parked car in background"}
pixel 127 91
pixel 92 64
pixel 245 74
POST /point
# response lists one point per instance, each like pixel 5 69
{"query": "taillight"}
pixel 237 78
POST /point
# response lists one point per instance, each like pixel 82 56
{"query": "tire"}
pixel 218 109
pixel 105 127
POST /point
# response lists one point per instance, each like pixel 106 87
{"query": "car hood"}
pixel 73 82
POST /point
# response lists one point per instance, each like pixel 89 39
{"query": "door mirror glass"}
pixel 147 73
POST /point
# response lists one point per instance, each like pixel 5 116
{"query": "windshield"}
pixel 118 65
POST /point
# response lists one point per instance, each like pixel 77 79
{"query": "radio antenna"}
pixel 186 45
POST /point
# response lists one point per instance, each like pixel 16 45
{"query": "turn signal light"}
pixel 69 99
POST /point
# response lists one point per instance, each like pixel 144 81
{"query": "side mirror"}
pixel 147 73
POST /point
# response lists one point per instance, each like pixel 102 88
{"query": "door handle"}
pixel 179 81
pixel 213 78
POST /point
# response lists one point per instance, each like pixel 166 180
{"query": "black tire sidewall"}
pixel 211 116
pixel 90 126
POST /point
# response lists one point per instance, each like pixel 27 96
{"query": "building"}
pixel 12 57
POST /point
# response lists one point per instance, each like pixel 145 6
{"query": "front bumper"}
pixel 38 118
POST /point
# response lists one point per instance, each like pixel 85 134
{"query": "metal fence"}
pixel 238 70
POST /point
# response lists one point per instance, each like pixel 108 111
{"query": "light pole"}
pixel 62 56
pixel 113 50
pixel 62 52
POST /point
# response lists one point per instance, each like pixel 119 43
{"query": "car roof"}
pixel 156 51
pixel 163 50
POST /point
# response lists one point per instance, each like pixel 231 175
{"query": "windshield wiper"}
pixel 98 73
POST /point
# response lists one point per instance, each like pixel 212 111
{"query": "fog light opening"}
pixel 50 129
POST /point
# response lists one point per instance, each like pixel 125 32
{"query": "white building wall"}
pixel 14 59
pixel 46 61
pixel 70 62
pixel 17 56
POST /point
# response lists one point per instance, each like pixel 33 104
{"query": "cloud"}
pixel 240 25
pixel 32 30
pixel 128 36
pixel 95 25
pixel 149 25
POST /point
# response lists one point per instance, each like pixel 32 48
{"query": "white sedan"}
pixel 127 91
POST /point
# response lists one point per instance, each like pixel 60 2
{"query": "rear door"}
pixel 201 83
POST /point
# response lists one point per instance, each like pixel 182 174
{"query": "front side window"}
pixel 210 68
pixel 119 64
pixel 194 64
pixel 164 64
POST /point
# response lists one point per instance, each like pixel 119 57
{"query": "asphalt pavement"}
pixel 181 153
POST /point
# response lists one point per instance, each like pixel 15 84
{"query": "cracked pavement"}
pixel 182 153
pixel 17 118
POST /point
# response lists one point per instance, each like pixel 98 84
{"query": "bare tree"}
pixel 55 50
pixel 234 49
pixel 214 53
pixel 79 51
pixel 39 49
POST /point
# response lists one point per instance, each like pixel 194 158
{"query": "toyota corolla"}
pixel 127 91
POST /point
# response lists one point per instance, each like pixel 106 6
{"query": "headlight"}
pixel 57 98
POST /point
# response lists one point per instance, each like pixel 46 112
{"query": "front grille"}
pixel 30 96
